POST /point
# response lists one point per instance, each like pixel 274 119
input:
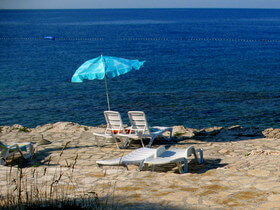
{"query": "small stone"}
pixel 223 151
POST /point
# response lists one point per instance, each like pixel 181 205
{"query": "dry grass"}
pixel 37 187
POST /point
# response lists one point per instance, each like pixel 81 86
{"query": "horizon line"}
pixel 257 8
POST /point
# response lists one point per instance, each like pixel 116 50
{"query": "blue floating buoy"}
pixel 49 37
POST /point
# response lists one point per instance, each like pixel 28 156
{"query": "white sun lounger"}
pixel 159 156
pixel 140 128
pixel 8 150
pixel 136 157
pixel 114 126
pixel 175 155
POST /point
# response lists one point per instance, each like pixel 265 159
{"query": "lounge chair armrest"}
pixel 11 146
pixel 103 135
pixel 19 144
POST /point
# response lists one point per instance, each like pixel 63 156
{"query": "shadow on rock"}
pixel 108 202
pixel 207 165
pixel 221 134
pixel 41 156
pixel 193 166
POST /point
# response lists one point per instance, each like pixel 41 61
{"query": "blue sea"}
pixel 204 67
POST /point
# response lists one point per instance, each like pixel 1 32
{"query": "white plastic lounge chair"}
pixel 136 157
pixel 175 155
pixel 9 150
pixel 159 156
pixel 140 128
pixel 114 126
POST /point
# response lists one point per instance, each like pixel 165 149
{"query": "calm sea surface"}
pixel 204 67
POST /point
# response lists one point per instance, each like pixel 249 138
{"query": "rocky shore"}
pixel 241 168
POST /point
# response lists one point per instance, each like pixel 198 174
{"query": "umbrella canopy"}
pixel 104 67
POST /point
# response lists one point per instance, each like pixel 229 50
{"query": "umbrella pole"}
pixel 107 94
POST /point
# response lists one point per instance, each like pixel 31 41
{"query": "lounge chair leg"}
pixel 170 135
pixel 142 142
pixel 116 142
pixel 30 152
pixel 125 143
pixel 195 155
pixel 126 167
pixel 183 166
pixel 5 155
pixel 18 149
pixel 141 166
pixel 200 160
pixel 2 161
pixel 151 142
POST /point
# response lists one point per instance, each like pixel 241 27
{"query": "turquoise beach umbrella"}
pixel 104 67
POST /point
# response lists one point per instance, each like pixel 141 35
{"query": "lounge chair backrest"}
pixel 138 122
pixel 189 151
pixel 114 122
pixel 160 150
